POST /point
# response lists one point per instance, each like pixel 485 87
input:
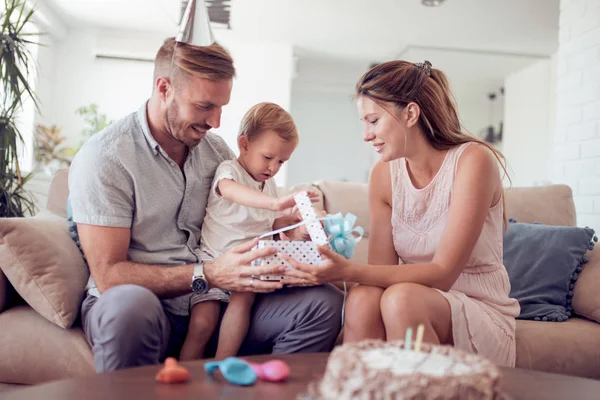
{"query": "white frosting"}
pixel 402 362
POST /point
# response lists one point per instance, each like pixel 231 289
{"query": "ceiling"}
pixel 154 16
pixel 476 67
pixel 354 29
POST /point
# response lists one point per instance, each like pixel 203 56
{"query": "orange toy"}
pixel 172 372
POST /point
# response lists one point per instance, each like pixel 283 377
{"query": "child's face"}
pixel 264 156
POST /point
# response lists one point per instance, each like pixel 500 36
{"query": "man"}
pixel 138 193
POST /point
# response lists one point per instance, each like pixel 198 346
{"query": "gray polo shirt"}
pixel 121 177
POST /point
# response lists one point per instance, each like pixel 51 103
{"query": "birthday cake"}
pixel 375 369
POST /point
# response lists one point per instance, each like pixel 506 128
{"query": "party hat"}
pixel 195 25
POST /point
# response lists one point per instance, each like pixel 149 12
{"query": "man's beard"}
pixel 175 126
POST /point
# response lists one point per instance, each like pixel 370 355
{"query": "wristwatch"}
pixel 199 282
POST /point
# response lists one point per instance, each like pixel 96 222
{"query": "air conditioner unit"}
pixel 219 12
pixel 128 47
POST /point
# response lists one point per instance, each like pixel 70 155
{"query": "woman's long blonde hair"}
pixel 402 82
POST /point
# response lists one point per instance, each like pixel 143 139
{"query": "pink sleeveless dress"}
pixel 483 314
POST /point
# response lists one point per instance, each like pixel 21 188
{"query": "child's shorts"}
pixel 213 294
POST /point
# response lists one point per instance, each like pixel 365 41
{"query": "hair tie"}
pixel 425 66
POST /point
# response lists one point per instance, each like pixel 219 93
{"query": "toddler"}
pixel 242 205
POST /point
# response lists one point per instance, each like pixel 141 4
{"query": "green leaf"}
pixel 16 65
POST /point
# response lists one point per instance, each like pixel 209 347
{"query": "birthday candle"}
pixel 408 339
pixel 419 339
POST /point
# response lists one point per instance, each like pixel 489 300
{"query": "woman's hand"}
pixel 333 268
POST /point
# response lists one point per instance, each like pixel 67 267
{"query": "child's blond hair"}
pixel 268 116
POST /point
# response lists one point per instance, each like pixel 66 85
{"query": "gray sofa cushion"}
pixel 543 263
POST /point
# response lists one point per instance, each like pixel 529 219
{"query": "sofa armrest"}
pixel 549 205
pixel 586 297
pixel 58 193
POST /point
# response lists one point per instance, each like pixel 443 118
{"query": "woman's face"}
pixel 385 131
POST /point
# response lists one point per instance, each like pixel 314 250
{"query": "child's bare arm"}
pixel 240 194
pixel 245 196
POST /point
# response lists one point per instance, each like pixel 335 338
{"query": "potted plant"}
pixel 16 63
pixel 50 152
pixel 95 122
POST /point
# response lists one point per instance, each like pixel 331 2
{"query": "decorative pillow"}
pixel 543 264
pixel 44 265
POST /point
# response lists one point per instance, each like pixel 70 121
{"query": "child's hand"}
pixel 284 203
pixel 287 202
pixel 313 196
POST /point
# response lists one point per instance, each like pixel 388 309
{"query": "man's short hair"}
pixel 211 62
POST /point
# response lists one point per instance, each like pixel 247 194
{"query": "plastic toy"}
pixel 233 369
pixel 272 371
pixel 172 372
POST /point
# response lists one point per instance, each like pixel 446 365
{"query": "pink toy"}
pixel 271 371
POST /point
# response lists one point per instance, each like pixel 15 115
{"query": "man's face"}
pixel 194 106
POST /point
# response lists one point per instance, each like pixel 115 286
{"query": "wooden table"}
pixel 139 383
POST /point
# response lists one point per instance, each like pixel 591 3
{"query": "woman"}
pixel 437 209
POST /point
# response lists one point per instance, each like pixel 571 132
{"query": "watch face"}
pixel 199 286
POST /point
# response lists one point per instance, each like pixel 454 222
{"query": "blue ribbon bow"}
pixel 343 236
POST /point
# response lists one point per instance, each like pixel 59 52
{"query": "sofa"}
pixel 34 349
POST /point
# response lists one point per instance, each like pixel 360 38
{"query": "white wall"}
pixel 529 122
pixel 264 73
pixel 74 77
pixel 576 158
pixel 44 85
pixel 474 106
pixel 331 145
pixel 79 79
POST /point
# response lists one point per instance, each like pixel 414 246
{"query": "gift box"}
pixel 339 233
pixel 301 251
pixel 314 227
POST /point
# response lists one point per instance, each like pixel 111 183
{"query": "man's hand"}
pixel 232 271
pixel 332 269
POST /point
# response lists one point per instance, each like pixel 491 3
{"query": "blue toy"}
pixel 234 370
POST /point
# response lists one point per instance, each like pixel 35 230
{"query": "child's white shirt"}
pixel 228 224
